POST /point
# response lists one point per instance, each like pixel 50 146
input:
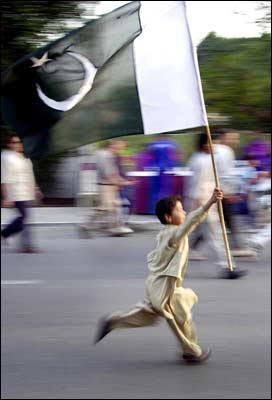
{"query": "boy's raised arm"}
pixel 192 220
pixel 196 217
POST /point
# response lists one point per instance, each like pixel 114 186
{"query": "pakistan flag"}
pixel 132 71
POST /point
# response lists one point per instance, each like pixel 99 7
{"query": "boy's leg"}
pixel 174 304
pixel 182 325
pixel 141 315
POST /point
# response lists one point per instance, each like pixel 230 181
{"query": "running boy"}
pixel 167 264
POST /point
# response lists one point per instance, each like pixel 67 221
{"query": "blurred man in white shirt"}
pixel 200 186
pixel 223 141
pixel 18 189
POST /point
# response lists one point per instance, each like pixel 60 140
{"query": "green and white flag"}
pixel 132 71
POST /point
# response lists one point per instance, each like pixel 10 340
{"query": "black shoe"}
pixel 103 329
pixel 236 273
pixel 198 359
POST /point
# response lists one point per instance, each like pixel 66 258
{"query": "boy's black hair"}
pixel 165 206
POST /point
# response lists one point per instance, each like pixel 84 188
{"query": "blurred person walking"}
pixel 18 189
pixel 198 192
pixel 224 140
pixel 249 181
pixel 259 150
pixel 165 154
pixel 126 205
pixel 109 182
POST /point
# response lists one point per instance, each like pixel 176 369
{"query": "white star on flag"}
pixel 38 62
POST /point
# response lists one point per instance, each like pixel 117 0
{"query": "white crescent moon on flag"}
pixel 69 103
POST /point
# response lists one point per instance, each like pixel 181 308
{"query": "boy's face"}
pixel 177 216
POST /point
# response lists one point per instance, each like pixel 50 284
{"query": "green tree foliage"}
pixel 265 20
pixel 236 79
pixel 27 25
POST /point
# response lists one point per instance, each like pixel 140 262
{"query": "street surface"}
pixel 51 303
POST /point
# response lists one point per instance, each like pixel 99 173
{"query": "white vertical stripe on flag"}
pixel 167 70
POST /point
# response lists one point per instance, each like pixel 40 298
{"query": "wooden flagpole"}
pixel 220 207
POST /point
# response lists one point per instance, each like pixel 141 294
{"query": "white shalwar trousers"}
pixel 164 299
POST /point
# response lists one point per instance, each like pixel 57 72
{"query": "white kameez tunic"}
pixel 170 259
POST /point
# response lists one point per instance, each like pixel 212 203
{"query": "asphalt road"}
pixel 51 303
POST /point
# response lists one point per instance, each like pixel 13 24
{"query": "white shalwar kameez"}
pixel 165 297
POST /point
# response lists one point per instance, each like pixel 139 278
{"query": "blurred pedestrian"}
pixel 165 155
pixel 249 180
pixel 109 183
pixel 167 263
pixel 18 189
pixel 224 141
pixel 259 150
pixel 198 192
pixel 126 205
pixel 261 238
